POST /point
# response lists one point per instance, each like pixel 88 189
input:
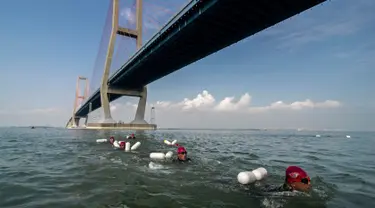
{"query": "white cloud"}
pixel 151 16
pixel 207 111
pixel 203 100
pixel 298 105
pixel 206 102
pixel 202 110
pixel 228 104
pixel 128 14
pixel 113 106
pixel 155 14
pixel 163 104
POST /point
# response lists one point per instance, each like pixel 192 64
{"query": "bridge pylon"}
pixel 106 90
pixel 74 120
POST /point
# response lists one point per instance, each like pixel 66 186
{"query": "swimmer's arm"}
pixel 273 188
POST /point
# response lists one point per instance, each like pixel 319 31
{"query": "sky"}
pixel 315 70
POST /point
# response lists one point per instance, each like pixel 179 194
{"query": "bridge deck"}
pixel 202 28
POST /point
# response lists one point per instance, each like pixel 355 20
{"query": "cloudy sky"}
pixel 314 70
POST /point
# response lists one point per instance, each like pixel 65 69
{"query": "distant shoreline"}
pixel 220 129
pixel 251 129
pixel 30 127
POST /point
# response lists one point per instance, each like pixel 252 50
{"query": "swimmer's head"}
pixel 181 153
pixel 297 179
pixel 122 145
pixel 111 139
pixel 132 135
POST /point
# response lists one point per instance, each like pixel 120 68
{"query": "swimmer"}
pixel 111 140
pixel 296 179
pixel 122 145
pixel 181 155
pixel 131 136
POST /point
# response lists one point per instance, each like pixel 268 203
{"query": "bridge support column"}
pixel 137 34
pixel 76 121
pixel 141 108
pixel 105 104
pixel 86 120
pixel 73 122
pixel 104 83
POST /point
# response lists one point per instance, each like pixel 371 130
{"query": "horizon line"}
pixel 217 129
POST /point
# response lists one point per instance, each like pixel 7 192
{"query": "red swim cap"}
pixel 295 174
pixel 122 143
pixel 180 150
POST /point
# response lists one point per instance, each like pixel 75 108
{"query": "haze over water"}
pixel 53 167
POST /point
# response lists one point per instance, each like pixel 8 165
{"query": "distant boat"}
pixel 32 127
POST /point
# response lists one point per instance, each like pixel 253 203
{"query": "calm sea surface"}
pixel 52 167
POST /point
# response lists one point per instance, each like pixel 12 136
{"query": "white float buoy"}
pixel 127 146
pixel 136 145
pixel 157 155
pixel 260 173
pixel 167 142
pixel 116 144
pixel 174 142
pixel 101 140
pixel 169 155
pixel 247 177
pixel 348 136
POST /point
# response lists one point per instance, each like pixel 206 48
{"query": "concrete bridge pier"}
pixel 141 108
pixel 76 121
pixel 73 123
pixel 139 122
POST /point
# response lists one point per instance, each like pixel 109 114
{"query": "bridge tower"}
pixel 105 90
pixel 74 121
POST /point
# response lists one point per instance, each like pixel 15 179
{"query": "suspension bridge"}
pixel 200 28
